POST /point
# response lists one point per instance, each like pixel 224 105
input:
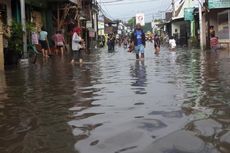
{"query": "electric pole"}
pixel 207 25
pixel 173 8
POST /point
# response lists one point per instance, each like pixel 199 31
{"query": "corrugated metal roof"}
pixel 179 13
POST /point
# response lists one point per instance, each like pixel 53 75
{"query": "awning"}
pixel 74 1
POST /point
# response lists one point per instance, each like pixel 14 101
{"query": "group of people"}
pixel 138 42
pixel 59 42
pixel 41 39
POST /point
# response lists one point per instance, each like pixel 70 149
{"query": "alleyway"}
pixel 168 103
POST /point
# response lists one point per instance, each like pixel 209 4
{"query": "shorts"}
pixel 77 54
pixel 44 44
pixel 60 44
pixel 156 45
pixel 139 49
pixel 214 48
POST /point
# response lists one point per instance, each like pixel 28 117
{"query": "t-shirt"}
pixel 138 36
pixel 76 39
pixel 34 37
pixel 213 41
pixel 157 40
pixel 43 35
pixel 172 43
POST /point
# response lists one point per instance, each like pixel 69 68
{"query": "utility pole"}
pixel 201 27
pixel 23 21
pixel 1 46
pixel 173 8
pixel 207 25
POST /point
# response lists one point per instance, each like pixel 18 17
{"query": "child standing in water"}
pixel 214 43
pixel 172 43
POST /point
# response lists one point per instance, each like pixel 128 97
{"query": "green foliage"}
pixel 158 20
pixel 16 38
pixel 132 21
pixel 30 27
pixel 147 27
pixel 193 42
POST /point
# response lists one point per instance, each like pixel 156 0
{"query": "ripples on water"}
pixel 169 103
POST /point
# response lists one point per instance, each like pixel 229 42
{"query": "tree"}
pixel 132 22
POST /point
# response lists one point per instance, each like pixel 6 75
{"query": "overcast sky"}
pixel 125 9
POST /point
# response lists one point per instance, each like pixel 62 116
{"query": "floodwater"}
pixel 174 102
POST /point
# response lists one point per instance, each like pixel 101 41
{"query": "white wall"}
pixel 176 25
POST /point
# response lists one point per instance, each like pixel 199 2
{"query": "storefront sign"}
pixel 91 33
pixel 101 25
pixel 89 24
pixel 188 14
pixel 218 4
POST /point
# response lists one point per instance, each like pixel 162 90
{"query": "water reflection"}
pixel 3 94
pixel 171 103
pixel 139 77
pixel 36 109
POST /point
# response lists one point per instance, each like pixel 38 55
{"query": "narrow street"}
pixel 174 102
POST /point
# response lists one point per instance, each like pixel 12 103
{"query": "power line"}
pixel 111 1
pixel 129 2
pixel 115 2
pixel 105 12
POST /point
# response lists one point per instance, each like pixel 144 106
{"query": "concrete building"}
pixel 218 17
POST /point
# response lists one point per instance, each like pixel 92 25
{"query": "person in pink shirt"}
pixel 59 41
pixel 214 43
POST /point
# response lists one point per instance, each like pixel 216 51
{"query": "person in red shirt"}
pixel 59 41
pixel 214 43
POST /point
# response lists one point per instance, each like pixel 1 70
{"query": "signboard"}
pixel 140 18
pixel 101 18
pixel 101 25
pixel 89 24
pixel 212 4
pixel 188 14
pixel 91 33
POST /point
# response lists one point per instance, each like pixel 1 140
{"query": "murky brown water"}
pixel 170 103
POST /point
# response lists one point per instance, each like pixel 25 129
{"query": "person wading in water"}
pixel 138 40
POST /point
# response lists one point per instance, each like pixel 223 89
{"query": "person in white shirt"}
pixel 172 43
pixel 77 45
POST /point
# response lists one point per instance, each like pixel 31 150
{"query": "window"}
pixel 223 25
pixel 3 13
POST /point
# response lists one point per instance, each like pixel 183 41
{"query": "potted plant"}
pixel 15 44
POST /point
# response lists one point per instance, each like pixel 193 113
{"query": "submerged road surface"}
pixel 174 102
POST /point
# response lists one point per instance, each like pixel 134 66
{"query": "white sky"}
pixel 126 9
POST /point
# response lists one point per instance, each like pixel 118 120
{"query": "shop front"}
pixel 220 21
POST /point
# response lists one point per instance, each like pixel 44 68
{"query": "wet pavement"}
pixel 168 103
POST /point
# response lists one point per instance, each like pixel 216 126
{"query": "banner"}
pixel 188 14
pixel 140 18
pixel 212 4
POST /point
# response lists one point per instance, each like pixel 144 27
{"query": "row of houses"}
pixel 192 21
pixel 53 15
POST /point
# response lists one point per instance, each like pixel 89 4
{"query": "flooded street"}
pixel 168 103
